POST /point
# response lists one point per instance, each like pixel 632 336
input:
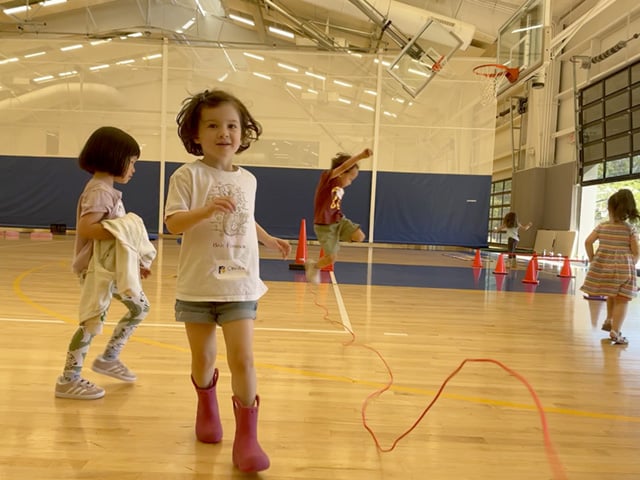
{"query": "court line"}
pixel 31 320
pixel 176 326
pixel 344 316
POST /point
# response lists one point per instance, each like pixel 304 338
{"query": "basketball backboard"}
pixel 423 56
pixel 523 40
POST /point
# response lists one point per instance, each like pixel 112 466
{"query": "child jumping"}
pixel 612 268
pixel 211 202
pixel 109 155
pixel 329 223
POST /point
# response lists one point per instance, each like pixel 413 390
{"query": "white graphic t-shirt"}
pixel 219 257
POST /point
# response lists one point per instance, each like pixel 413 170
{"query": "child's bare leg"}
pixel 357 236
pixel 202 341
pixel 238 337
pixel 326 260
pixel 606 326
pixel 619 313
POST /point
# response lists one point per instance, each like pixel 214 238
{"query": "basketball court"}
pixel 407 362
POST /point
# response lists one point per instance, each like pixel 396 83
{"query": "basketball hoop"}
pixel 493 75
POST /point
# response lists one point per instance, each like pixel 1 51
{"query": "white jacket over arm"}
pixel 116 260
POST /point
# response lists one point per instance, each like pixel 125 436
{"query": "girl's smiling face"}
pixel 219 135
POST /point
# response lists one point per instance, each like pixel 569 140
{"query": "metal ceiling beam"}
pixel 308 29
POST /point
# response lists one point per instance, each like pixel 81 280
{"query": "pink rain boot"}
pixel 247 454
pixel 208 426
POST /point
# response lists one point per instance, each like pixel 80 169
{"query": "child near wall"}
pixel 612 267
pixel 329 223
pixel 512 227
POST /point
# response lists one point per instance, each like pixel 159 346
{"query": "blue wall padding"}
pixel 412 208
pixel 432 209
pixel 36 191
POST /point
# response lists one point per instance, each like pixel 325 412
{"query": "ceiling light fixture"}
pixel 14 10
pixel 314 75
pixel 288 67
pixel 282 33
pixel 188 25
pixel 253 55
pixel 100 42
pixel 240 19
pixel 70 47
pixel 43 79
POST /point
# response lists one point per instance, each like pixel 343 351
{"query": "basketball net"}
pixel 493 77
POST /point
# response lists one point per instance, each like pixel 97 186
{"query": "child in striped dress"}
pixel 612 268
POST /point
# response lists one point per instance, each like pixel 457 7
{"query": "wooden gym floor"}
pixel 313 381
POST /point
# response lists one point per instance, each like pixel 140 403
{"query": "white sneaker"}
pixel 113 368
pixel 79 389
pixel 312 272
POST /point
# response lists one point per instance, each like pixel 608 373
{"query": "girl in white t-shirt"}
pixel 211 203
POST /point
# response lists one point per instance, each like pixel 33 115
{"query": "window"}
pixel 499 206
pixel 609 128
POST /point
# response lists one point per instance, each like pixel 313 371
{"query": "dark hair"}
pixel 108 150
pixel 622 206
pixel 510 220
pixel 339 159
pixel 188 119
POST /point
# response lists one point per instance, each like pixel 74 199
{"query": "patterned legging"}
pixel 138 308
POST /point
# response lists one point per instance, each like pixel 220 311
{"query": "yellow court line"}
pixel 334 378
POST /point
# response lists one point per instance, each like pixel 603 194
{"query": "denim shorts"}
pixel 215 312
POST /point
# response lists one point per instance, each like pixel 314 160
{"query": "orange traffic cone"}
pixel 500 268
pixel 535 261
pixel 477 261
pixel 532 273
pixel 301 251
pixel 328 268
pixel 566 269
